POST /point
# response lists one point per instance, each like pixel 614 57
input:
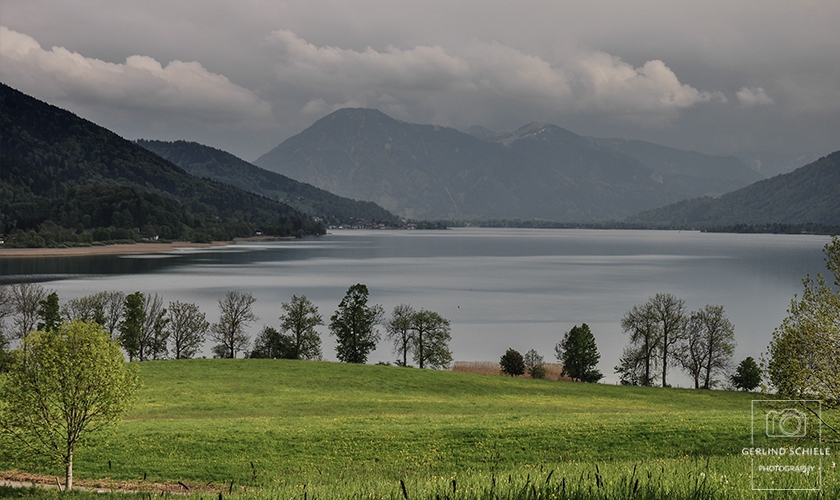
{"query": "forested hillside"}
pixel 65 180
pixel 808 195
pixel 218 165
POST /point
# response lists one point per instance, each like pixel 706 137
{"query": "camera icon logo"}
pixel 786 423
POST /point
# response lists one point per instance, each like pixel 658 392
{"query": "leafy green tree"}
pixel 298 321
pixel 398 330
pixel 579 354
pixel 187 327
pixel 63 385
pixel 708 345
pixel 430 339
pixel 271 344
pixel 512 363
pixel 49 313
pixel 805 348
pixel 354 325
pixel 534 364
pixel 747 376
pixel 236 315
pixel 131 327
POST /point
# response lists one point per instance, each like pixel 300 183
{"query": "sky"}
pixel 717 76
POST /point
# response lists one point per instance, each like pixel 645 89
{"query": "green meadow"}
pixel 303 429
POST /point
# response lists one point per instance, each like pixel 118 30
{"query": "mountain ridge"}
pixel 540 171
pixel 66 180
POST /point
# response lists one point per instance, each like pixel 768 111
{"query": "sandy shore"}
pixel 106 249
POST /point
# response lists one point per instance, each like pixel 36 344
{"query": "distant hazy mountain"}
pixel 426 171
pixel 65 180
pixel 689 172
pixel 769 164
pixel 540 171
pixel 218 165
pixel 810 194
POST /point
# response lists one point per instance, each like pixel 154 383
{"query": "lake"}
pixel 500 288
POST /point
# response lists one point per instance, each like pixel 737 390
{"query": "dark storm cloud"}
pixel 715 76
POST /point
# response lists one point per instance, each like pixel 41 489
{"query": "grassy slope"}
pixel 271 423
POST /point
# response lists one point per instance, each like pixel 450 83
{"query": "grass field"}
pixel 285 429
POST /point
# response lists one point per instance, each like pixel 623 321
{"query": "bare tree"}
pixel 669 312
pixel 236 315
pixel 90 308
pixel 26 298
pixel 639 362
pixel 398 330
pixel 431 338
pixel 708 346
pixel 7 307
pixel 113 311
pixel 153 314
pixel 187 328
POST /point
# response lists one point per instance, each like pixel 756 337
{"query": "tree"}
pixel 534 364
pixel 152 339
pixel 113 311
pixel 298 321
pixel 805 348
pixel 236 315
pixel 512 363
pixel 656 328
pixel 6 309
pixel 707 346
pixel 131 326
pixel 49 313
pixel 639 362
pixel 430 339
pixel 90 308
pixel 26 298
pixel 354 325
pixel 398 330
pixel 747 376
pixel 63 385
pixel 669 312
pixel 579 354
pixel 271 344
pixel 187 327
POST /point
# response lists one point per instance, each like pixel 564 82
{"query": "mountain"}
pixel 688 172
pixel 769 164
pixel 808 195
pixel 65 180
pixel 427 171
pixel 220 166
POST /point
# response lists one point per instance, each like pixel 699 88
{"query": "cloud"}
pixel 482 74
pixel 752 96
pixel 180 90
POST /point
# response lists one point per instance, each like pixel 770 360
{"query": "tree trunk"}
pixel 68 475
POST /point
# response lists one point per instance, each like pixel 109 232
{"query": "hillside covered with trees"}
pixel 806 196
pixel 65 180
pixel 204 161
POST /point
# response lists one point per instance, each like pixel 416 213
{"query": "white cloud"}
pixel 482 74
pixel 178 90
pixel 752 96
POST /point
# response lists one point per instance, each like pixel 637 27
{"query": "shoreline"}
pixel 118 249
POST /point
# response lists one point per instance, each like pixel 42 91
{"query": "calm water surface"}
pixel 500 288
